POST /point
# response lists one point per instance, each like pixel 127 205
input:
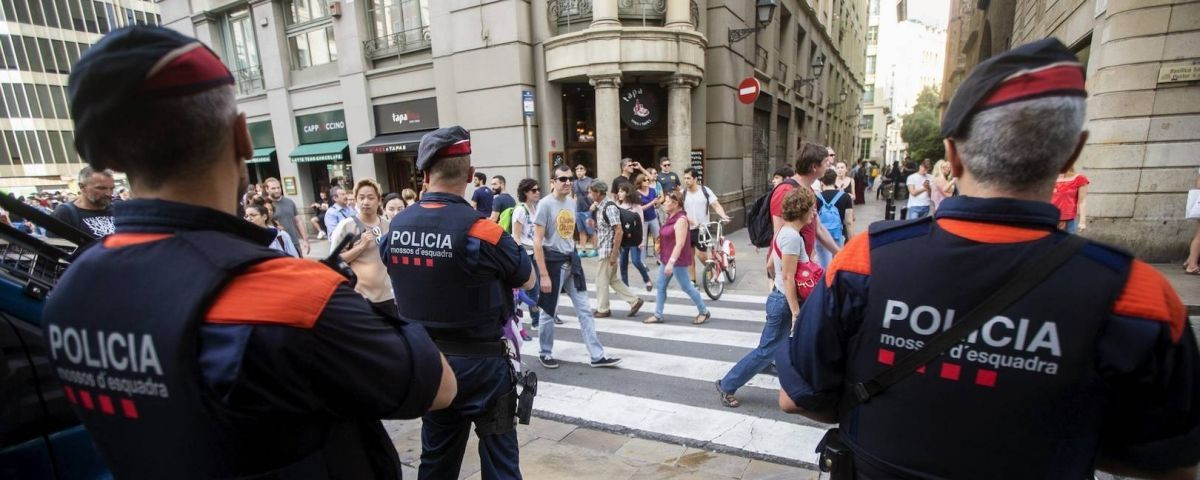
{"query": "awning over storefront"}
pixel 395 142
pixel 320 152
pixel 262 155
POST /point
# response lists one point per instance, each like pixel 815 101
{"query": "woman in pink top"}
pixel 1070 196
pixel 676 255
pixel 943 183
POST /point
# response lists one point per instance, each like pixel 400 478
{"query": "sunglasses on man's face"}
pixel 564 179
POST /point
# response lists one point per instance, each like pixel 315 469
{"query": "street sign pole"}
pixel 527 110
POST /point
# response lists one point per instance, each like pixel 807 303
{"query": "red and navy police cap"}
pixel 130 67
pixel 441 143
pixel 1044 68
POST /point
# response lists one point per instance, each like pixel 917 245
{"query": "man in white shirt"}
pixel 918 192
pixel 696 200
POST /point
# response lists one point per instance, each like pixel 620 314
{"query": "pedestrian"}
pixel 650 201
pixel 862 182
pixel 454 285
pixel 844 182
pixel 919 184
pixel 835 211
pixel 258 214
pixel 1070 196
pixel 410 197
pixel 1192 265
pixel 697 199
pixel 609 233
pixel 340 210
pixel 393 203
pixel 812 162
pixel 91 212
pixel 481 198
pixel 1059 383
pixel 583 210
pixel 629 168
pixel 943 183
pixel 319 208
pixel 668 179
pixel 675 257
pixel 782 173
pixel 248 363
pixel 501 201
pixel 368 228
pixel 286 214
pixel 783 304
pixel 528 194
pixel 560 269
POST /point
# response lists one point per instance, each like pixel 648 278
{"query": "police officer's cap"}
pixel 441 143
pixel 130 67
pixel 1044 68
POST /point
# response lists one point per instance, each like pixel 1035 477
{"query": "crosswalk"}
pixel 664 386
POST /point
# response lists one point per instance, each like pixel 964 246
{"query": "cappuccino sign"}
pixel 321 127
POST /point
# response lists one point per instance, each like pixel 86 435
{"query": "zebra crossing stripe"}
pixel 727 429
pixel 690 368
pixel 675 292
pixel 680 333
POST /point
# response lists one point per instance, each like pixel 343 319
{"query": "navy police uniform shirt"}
pixel 1097 361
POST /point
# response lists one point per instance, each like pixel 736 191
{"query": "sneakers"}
pixel 557 321
pixel 551 363
pixel 320 234
pixel 605 362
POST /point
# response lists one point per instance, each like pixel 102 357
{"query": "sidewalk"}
pixel 553 450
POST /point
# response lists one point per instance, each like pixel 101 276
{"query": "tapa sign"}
pixel 639 107
pixel 406 116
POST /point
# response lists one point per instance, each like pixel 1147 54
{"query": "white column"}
pixel 608 125
pixel 604 13
pixel 679 15
pixel 679 118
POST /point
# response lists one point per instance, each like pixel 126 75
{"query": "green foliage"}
pixel 922 130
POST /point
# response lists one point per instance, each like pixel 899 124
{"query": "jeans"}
pixel 685 283
pixel 583 311
pixel 444 433
pixel 606 278
pixel 1072 226
pixel 581 225
pixel 917 212
pixel 779 323
pixel 825 256
pixel 636 253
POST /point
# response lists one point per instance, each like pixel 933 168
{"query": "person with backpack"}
pixel 501 202
pixel 610 232
pixel 697 199
pixel 370 229
pixel 835 209
pixel 522 217
pixel 632 201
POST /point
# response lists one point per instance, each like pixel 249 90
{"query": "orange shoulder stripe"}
pixel 855 257
pixel 118 240
pixel 1148 295
pixel 486 230
pixel 281 291
pixel 990 232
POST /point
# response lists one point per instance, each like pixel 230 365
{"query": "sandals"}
pixel 652 319
pixel 701 318
pixel 727 399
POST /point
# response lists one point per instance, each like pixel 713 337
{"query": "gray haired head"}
pixel 1021 147
pixel 599 186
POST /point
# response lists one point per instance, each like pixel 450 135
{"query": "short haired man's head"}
pixel 785 172
pixel 598 187
pixel 627 165
pixel 367 193
pixel 96 186
pixel 665 163
pixel 480 179
pixel 274 188
pixel 580 170
pixel 691 176
pixel 562 180
pixel 498 184
pixel 812 159
pixel 829 179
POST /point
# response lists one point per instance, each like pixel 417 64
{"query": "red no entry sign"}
pixel 748 90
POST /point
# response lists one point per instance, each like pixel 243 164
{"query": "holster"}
pixel 836 458
pixel 501 418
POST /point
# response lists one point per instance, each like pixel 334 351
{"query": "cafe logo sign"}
pixel 406 116
pixel 321 127
pixel 639 107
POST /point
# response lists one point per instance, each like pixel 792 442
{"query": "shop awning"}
pixel 262 155
pixel 320 152
pixel 394 142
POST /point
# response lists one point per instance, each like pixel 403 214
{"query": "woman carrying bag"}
pixel 676 255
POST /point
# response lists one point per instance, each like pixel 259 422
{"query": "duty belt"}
pixel 473 349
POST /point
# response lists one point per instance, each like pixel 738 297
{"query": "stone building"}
pixel 1143 77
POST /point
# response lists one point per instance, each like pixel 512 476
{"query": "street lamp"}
pixel 818 67
pixel 841 98
pixel 765 10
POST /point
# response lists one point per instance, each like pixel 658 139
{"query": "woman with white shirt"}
pixel 528 194
pixel 259 214
pixel 363 255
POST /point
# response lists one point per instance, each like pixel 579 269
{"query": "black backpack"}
pixel 758 219
pixel 631 225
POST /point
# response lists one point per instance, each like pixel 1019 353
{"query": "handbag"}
pixel 1193 204
pixel 835 457
pixel 807 274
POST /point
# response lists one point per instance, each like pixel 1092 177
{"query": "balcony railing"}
pixel 249 80
pixel 409 40
pixel 781 71
pixel 761 58
pixel 645 11
pixel 567 12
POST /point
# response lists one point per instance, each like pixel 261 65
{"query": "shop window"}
pixel 397 26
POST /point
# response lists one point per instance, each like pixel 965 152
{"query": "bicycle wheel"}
pixel 713 285
pixel 731 271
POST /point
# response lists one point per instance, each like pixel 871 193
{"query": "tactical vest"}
pixel 427 258
pixel 1027 374
pixel 123 324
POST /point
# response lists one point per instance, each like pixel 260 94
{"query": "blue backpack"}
pixel 830 218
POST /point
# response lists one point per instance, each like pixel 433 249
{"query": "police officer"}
pixel 1093 367
pixel 453 272
pixel 188 347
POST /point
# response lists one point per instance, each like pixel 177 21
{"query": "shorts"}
pixel 695 234
pixel 581 225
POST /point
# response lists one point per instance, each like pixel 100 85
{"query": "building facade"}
pixel 904 55
pixel 1143 77
pixel 40 40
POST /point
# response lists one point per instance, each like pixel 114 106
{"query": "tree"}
pixel 921 130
